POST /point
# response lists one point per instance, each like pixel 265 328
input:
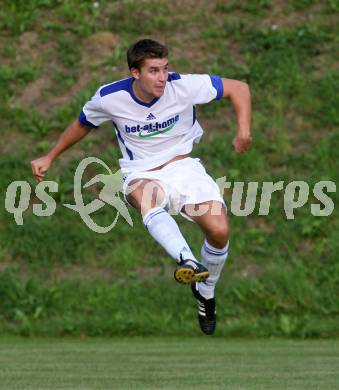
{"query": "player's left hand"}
pixel 242 143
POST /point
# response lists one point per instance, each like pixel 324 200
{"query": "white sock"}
pixel 213 259
pixel 165 231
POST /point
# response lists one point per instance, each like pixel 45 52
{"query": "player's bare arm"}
pixel 73 133
pixel 240 96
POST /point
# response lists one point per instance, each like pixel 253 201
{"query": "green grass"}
pixel 175 363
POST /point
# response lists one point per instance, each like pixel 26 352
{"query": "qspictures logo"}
pixel 243 201
pixel 154 128
pixel 110 194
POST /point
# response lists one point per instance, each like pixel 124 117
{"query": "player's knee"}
pixel 218 235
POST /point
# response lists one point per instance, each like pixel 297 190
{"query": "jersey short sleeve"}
pixel 93 114
pixel 202 88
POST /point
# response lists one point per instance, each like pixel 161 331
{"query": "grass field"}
pixel 171 363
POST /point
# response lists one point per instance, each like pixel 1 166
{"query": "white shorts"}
pixel 183 182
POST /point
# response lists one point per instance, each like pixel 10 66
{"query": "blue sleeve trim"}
pixel 217 84
pixel 83 120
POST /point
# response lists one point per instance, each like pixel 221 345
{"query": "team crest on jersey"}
pixel 154 128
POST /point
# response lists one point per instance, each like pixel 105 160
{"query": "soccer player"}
pixel 153 113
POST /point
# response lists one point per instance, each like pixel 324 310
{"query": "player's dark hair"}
pixel 143 49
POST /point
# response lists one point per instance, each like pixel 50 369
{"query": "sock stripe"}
pixel 152 215
pixel 212 252
pixel 215 251
pixel 152 211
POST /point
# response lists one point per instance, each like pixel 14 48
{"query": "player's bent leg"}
pixel 213 222
pixel 214 251
pixel 212 219
pixel 148 197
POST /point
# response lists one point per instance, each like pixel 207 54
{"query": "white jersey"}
pixel 150 134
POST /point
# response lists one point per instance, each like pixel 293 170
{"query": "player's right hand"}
pixel 40 166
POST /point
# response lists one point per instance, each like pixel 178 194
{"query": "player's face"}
pixel 152 77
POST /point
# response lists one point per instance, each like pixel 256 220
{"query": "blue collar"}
pixel 130 90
